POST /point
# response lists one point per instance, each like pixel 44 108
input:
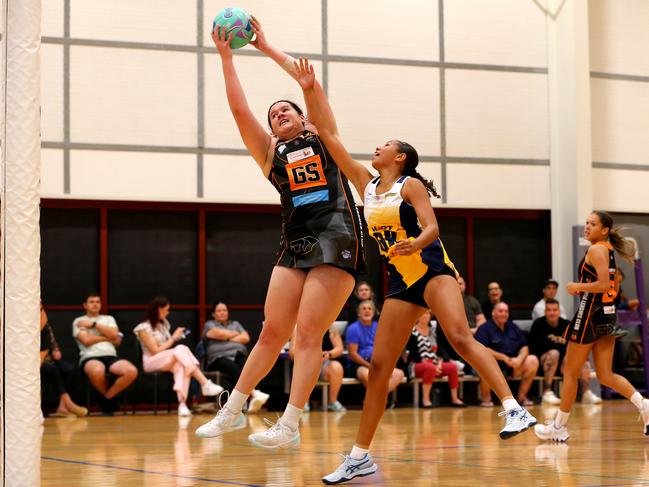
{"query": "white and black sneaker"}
pixel 516 421
pixel 351 468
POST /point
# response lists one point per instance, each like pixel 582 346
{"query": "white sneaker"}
pixel 549 397
pixel 644 412
pixel 277 436
pixel 516 421
pixel 211 389
pixel 224 422
pixel 549 432
pixel 351 468
pixel 257 400
pixel 183 410
pixel 589 397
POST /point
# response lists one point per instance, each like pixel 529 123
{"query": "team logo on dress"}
pixel 303 246
pixel 346 254
pixel 281 148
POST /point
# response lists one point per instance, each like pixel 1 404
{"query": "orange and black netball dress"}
pixel 595 316
pixel 320 222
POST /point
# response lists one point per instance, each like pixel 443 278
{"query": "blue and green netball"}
pixel 236 21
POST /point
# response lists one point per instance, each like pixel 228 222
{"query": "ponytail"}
pixel 410 168
pixel 623 246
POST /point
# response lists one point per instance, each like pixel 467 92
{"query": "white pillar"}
pixel 570 131
pixel 20 244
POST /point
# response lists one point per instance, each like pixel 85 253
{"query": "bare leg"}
pixel 550 362
pixel 280 311
pixel 603 356
pixel 126 373
pixel 199 376
pixel 395 326
pixel 395 379
pixel 584 381
pixel 96 372
pixel 527 372
pixel 445 301
pixel 576 356
pixel 334 375
pixel 325 291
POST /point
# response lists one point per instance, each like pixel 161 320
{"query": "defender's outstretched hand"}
pixel 304 73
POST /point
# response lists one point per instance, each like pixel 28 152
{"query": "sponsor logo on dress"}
pixel 346 254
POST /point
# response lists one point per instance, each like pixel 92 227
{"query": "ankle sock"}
pixel 561 419
pixel 636 399
pixel 291 416
pixel 236 401
pixel 510 404
pixel 357 453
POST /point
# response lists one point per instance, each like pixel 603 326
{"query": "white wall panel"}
pixel 620 121
pixel 51 173
pixel 161 21
pixel 132 175
pixel 407 29
pixel 52 18
pixel 621 190
pixel 128 96
pixel 263 82
pixel 291 25
pixel 236 179
pixel 52 92
pixel 377 103
pixel 496 114
pixel 501 32
pixel 498 186
pixel 619 37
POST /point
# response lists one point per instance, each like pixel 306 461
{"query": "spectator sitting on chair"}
pixel 363 291
pixel 161 354
pixel 472 308
pixel 621 300
pixel 507 343
pixel 56 371
pixel 97 335
pixel 225 346
pixel 494 296
pixel 549 292
pixel 359 338
pixel 547 342
pixel 332 370
pixel 430 362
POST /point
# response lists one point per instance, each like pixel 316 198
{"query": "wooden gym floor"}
pixel 440 446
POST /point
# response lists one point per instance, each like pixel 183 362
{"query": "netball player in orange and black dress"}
pixel 401 219
pixel 320 253
pixel 593 327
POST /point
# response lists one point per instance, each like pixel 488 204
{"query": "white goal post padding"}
pixel 20 244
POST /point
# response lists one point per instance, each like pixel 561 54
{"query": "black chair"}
pixel 157 377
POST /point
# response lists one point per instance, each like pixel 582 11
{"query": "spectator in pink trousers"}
pixel 161 354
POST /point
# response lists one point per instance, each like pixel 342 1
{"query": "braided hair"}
pixel 410 167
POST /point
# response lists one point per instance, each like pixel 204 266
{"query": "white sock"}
pixel 236 401
pixel 357 453
pixel 291 416
pixel 510 404
pixel 561 419
pixel 636 399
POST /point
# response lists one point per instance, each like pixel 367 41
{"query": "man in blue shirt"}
pixel 508 345
pixel 359 338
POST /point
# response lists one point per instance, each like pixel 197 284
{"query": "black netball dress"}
pixel 595 316
pixel 320 222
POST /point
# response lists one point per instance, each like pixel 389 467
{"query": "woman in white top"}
pixel 160 355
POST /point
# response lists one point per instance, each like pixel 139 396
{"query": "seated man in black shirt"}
pixel 546 341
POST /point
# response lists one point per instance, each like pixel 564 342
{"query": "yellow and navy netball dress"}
pixel 320 222
pixel 389 220
pixel 595 316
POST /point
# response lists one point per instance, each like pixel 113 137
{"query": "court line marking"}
pixel 155 472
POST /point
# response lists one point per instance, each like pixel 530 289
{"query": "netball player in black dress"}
pixel 319 256
pixel 593 327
